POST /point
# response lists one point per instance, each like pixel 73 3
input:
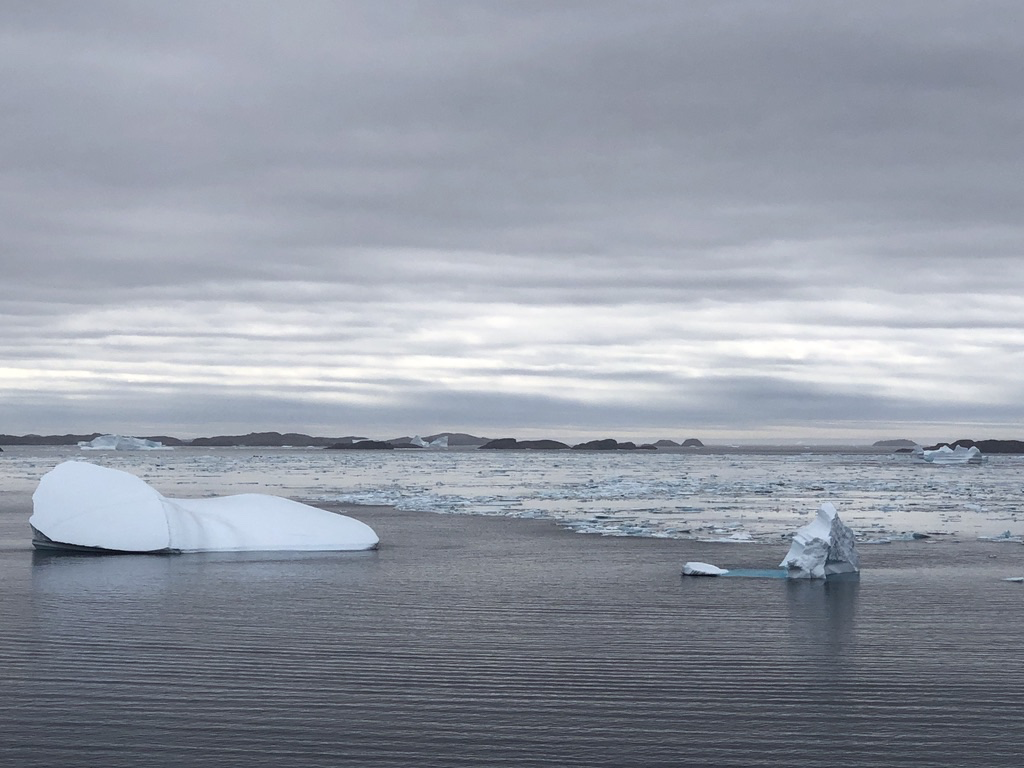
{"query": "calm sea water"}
pixel 491 640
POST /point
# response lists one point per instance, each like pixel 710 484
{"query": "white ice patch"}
pixel 702 569
pixel 83 505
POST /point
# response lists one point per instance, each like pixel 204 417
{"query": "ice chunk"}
pixel 1005 537
pixel 946 455
pixel 702 569
pixel 122 443
pixel 824 547
pixel 84 506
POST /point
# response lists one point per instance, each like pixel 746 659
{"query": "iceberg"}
pixel 82 506
pixel 122 443
pixel 1005 537
pixel 822 548
pixel 702 569
pixel 946 455
pixel 437 442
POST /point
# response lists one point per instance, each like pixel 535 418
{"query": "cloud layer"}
pixel 651 219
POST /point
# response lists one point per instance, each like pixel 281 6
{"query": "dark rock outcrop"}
pixel 501 444
pixel 362 445
pixel 692 442
pixel 47 439
pixel 542 445
pixel 604 445
pixel 893 444
pixel 511 444
pixel 267 440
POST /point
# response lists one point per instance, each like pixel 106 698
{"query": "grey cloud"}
pixel 373 179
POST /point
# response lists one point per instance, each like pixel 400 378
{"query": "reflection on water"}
pixel 823 612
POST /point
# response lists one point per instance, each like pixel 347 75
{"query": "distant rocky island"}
pixel 357 442
pixel 455 440
pixel 250 440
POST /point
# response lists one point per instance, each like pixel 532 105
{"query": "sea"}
pixel 528 609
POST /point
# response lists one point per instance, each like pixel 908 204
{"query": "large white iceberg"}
pixel 946 455
pixel 78 505
pixel 822 548
pixel 121 443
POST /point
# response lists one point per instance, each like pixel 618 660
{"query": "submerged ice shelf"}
pixel 83 506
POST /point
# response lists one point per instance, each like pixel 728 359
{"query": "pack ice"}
pixel 824 547
pixel 78 505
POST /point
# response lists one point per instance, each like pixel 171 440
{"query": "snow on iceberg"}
pixel 122 443
pixel 78 505
pixel 696 568
pixel 946 455
pixel 824 547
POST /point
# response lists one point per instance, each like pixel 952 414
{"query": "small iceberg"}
pixel 946 455
pixel 702 569
pixel 84 507
pixel 824 547
pixel 1006 537
pixel 122 443
pixel 437 442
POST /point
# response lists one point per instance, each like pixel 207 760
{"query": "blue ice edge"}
pixel 754 573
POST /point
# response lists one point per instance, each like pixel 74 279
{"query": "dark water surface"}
pixel 488 641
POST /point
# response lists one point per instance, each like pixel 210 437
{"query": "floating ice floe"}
pixel 122 443
pixel 702 569
pixel 81 506
pixel 822 548
pixel 738 537
pixel 946 455
pixel 1006 537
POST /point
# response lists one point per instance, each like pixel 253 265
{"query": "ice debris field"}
pixel 737 499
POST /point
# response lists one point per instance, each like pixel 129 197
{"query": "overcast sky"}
pixel 728 220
